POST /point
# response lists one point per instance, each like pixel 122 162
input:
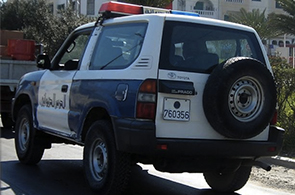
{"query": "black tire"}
pixel 6 120
pixel 106 169
pixel 239 98
pixel 230 181
pixel 27 149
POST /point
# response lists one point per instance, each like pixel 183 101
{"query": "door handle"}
pixel 64 88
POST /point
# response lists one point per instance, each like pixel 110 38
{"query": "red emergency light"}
pixel 120 8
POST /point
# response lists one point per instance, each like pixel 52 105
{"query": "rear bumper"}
pixel 138 137
pixel 225 148
pixel 135 136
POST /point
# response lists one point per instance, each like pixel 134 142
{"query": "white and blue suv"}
pixel 169 88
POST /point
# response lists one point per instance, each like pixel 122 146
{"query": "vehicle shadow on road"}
pixel 66 177
pixel 143 183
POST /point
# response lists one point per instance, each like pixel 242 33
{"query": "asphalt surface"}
pixel 61 173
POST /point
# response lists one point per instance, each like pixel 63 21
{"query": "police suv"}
pixel 168 88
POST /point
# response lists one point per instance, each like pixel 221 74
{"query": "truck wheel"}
pixel 6 120
pixel 106 169
pixel 239 98
pixel 230 181
pixel 27 149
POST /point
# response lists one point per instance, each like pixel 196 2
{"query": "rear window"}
pixel 200 48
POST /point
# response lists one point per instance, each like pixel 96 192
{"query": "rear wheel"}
pixel 228 181
pixel 27 149
pixel 106 169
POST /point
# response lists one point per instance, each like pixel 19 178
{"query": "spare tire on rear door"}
pixel 239 98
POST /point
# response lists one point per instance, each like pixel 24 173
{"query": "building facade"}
pixel 85 7
pixel 221 9
pixel 217 9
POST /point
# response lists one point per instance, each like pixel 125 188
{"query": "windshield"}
pixel 200 48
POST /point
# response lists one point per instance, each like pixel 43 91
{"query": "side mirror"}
pixel 43 61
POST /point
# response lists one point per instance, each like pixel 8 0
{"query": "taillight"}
pixel 146 100
pixel 274 119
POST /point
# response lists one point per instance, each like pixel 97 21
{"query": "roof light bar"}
pixel 114 9
pixel 120 8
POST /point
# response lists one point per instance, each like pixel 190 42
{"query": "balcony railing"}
pixel 207 13
pixel 235 1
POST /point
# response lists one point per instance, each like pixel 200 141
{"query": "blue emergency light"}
pixel 184 13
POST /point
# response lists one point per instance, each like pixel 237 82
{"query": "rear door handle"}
pixel 64 88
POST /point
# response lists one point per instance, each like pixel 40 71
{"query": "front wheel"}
pixel 27 149
pixel 106 169
pixel 229 181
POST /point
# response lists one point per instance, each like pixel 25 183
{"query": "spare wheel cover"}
pixel 239 98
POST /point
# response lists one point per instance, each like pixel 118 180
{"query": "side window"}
pixel 246 48
pixel 228 48
pixel 72 52
pixel 118 46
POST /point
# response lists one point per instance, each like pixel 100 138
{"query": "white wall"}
pixel 81 3
pixel 97 4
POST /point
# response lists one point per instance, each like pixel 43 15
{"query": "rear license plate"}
pixel 176 109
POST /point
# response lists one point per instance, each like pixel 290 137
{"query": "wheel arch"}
pixel 21 100
pixel 94 114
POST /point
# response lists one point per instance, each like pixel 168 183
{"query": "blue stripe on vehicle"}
pixel 29 84
pixel 88 94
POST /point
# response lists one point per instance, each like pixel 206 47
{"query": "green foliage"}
pixel 256 20
pixel 285 22
pixel 54 31
pixel 10 17
pixel 37 23
pixel 152 3
pixel 285 80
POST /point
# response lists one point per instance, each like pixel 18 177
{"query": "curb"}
pixel 279 161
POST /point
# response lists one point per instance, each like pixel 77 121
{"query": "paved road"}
pixel 60 173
